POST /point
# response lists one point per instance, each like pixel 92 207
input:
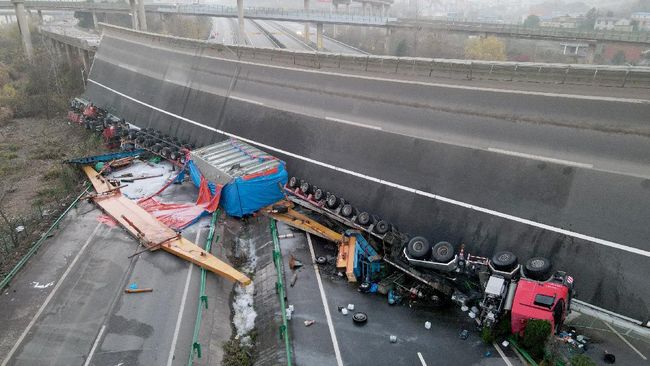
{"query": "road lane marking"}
pixel 452 201
pixel 542 158
pixel 353 123
pixel 421 359
pixel 626 341
pixel 503 355
pixel 330 325
pixel 51 295
pixel 92 350
pixel 246 100
pixel 177 329
pixel 396 81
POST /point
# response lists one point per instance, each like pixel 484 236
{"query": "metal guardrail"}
pixel 527 32
pixel 277 260
pixel 409 67
pixel 55 225
pixel 203 298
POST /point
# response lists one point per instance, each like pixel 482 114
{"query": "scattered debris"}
pixel 285 236
pixel 309 322
pixel 38 285
pixel 138 290
pixel 505 344
pixel 321 260
pixel 294 263
pixel 131 180
pixel 294 278
pixel 487 354
pixel 344 311
pixel 20 229
pixel 359 318
pixel 393 339
pixel 350 306
pixel 609 358
pixel 464 334
pixel 427 325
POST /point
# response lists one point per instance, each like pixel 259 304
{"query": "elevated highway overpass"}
pixel 553 173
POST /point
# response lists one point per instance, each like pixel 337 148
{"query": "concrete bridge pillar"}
pixel 388 40
pixel 23 25
pixel 83 55
pixel 306 31
pixel 241 39
pixel 94 19
pixel 40 17
pixel 142 16
pixel 319 36
pixel 7 19
pixel 134 15
pixel 68 54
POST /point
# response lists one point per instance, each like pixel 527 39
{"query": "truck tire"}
pixel 347 210
pixel 363 219
pixel 418 247
pixel 382 227
pixel 359 318
pixel 305 188
pixel 442 252
pixel 156 148
pixel 293 182
pixel 333 201
pixel 537 268
pixel 504 261
pixel 319 194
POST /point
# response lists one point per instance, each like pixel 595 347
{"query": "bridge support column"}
pixel 40 17
pixel 7 19
pixel 319 36
pixel 241 39
pixel 94 19
pixel 134 15
pixel 23 25
pixel 387 40
pixel 68 54
pixel 83 55
pixel 142 16
pixel 306 30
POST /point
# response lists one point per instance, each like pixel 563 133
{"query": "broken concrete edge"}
pixel 639 327
pixel 41 240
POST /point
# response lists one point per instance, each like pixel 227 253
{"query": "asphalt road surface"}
pixel 564 176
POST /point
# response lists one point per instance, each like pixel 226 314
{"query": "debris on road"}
pixel 427 325
pixel 350 306
pixel 138 290
pixel 309 322
pixel 359 318
pixel 294 278
pixel 294 263
pixel 464 334
pixel 393 339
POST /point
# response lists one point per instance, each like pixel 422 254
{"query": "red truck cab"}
pixel 547 300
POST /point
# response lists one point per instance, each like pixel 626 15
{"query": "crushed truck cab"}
pixel 546 300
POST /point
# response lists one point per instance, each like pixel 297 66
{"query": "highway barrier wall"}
pixel 591 223
pixel 416 68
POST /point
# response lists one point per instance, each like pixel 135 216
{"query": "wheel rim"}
pixel 443 251
pixel 418 245
pixel 504 257
pixel 537 263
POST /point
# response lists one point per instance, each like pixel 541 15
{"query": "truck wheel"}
pixel 363 219
pixel 537 268
pixel 333 201
pixel 293 182
pixel 418 247
pixel 305 188
pixel 347 210
pixel 504 261
pixel 318 194
pixel 442 252
pixel 382 227
pixel 359 318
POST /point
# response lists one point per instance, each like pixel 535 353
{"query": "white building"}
pixel 613 24
pixel 643 19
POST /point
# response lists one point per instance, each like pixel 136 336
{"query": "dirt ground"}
pixel 35 185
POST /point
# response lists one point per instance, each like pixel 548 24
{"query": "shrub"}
pixel 535 336
pixel 582 360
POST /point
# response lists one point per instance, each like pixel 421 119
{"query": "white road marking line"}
pixel 626 342
pixel 503 355
pixel 95 344
pixel 246 100
pixel 51 295
pixel 177 329
pixel 421 359
pixel 542 158
pixel 335 342
pixel 353 123
pixel 440 85
pixel 452 201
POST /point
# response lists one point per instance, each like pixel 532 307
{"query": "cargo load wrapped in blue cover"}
pixel 249 179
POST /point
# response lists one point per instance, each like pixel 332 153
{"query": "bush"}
pixel 535 336
pixel 582 360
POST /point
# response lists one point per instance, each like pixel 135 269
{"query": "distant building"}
pixel 643 19
pixel 613 24
pixel 564 21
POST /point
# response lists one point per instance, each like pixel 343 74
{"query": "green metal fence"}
pixel 277 260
